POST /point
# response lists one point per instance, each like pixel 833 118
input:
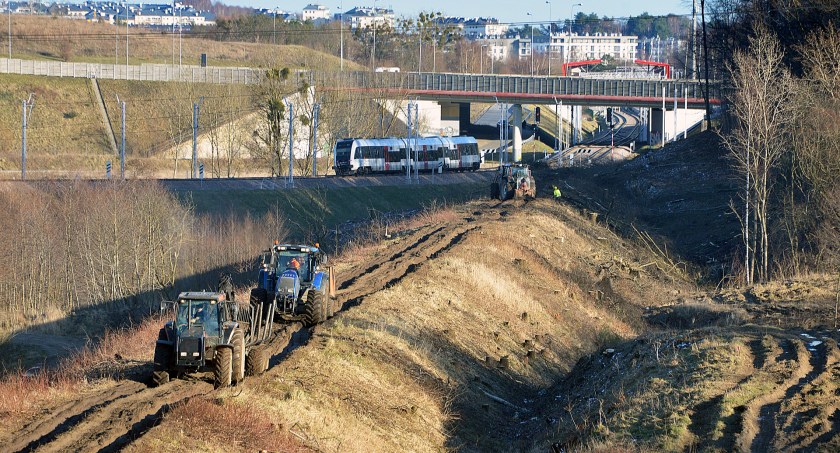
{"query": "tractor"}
pixel 211 332
pixel 513 181
pixel 297 282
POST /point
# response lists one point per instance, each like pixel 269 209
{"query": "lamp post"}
pixel 482 57
pixel 373 51
pixel 531 48
pixel 571 23
pixel 341 32
pixel 9 7
pixel 550 27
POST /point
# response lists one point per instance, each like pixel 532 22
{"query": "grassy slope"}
pixel 308 209
pixel 94 42
pixel 65 117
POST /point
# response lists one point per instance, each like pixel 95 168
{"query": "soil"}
pixel 755 369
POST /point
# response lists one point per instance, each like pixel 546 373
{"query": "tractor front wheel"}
pixel 223 367
pixel 238 342
pixel 314 311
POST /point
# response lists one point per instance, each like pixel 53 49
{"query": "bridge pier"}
pixel 517 132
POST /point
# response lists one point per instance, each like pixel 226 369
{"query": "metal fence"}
pixel 507 85
pixel 149 72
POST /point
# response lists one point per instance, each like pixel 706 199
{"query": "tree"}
pixel 764 114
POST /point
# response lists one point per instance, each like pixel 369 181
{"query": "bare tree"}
pixel 764 114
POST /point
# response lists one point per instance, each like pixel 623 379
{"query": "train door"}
pixel 387 157
pixel 425 158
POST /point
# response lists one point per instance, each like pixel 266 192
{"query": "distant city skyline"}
pixel 500 9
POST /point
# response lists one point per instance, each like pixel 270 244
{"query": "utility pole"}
pixel 408 145
pixel 25 112
pixel 341 32
pixel 9 7
pixel 706 64
pixel 675 113
pixel 550 29
pixel 416 142
pixel 291 180
pixel 315 140
pixel 122 129
pixel 126 41
pixel 196 107
pixel 373 51
pixel 694 71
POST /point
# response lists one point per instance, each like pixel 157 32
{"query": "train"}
pixel 361 156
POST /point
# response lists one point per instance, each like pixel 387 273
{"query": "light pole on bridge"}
pixel 550 27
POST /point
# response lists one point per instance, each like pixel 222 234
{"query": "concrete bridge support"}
pixel 516 122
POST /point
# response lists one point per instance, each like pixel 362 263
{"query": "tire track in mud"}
pixel 388 258
pixel 64 418
pixel 402 264
pixel 112 420
pixel 111 425
pixel 760 424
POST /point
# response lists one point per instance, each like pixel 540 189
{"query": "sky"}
pixel 506 11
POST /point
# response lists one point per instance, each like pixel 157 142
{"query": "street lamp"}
pixel 481 63
pixel 531 49
pixel 550 38
pixel 571 23
pixel 9 7
pixel 572 18
pixel 373 51
pixel 341 31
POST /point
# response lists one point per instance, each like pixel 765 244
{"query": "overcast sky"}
pixel 504 10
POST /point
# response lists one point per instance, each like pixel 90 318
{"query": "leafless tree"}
pixel 764 114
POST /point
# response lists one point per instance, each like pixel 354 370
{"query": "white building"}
pixel 315 13
pixel 363 17
pixel 475 28
pixel 576 47
pixel 497 48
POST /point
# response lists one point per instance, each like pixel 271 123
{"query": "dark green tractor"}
pixel 211 333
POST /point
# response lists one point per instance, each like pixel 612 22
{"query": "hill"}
pixel 54 38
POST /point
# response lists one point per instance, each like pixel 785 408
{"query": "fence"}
pixel 148 72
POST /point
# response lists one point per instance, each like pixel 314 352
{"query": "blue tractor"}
pixel 296 280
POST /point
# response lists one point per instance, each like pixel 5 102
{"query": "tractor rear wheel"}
pixel 256 362
pixel 162 361
pixel 494 190
pixel 222 367
pixel 238 342
pixel 314 311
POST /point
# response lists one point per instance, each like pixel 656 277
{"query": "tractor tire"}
pixel 256 362
pixel 161 364
pixel 314 311
pixel 238 360
pixel 223 367
pixel 494 191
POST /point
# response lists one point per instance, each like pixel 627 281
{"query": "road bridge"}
pixel 454 92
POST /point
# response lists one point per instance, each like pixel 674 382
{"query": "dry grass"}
pixel 219 424
pixel 24 392
pixel 147 47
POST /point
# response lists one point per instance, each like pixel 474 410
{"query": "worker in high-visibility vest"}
pixel 556 193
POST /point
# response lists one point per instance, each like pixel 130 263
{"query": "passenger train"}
pixel 358 156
